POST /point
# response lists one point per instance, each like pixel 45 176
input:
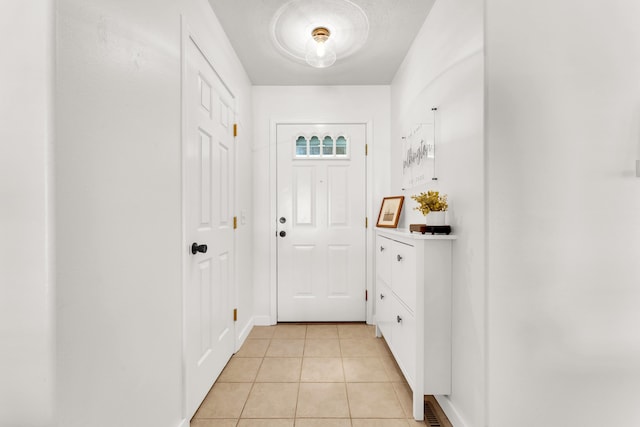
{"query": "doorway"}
pixel 321 230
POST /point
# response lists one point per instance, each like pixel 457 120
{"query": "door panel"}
pixel 304 180
pixel 321 195
pixel 208 296
pixel 225 207
pixel 205 308
pixel 302 273
pixel 338 270
pixel 338 196
pixel 221 299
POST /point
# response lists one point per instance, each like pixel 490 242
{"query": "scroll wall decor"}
pixel 419 154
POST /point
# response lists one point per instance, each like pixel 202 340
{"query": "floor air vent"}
pixel 433 414
pixel 430 417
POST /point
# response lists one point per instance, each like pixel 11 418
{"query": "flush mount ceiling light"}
pixel 320 52
pixel 301 29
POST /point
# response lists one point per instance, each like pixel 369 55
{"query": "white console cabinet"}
pixel 413 308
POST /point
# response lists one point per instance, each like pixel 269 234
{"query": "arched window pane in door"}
pixel 327 146
pixel 314 146
pixel 341 146
pixel 301 146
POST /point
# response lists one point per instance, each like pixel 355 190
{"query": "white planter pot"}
pixel 436 218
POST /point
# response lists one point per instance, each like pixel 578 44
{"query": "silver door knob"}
pixel 283 233
pixel 282 220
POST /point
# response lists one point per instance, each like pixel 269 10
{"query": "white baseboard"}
pixel 262 321
pixel 450 411
pixel 184 423
pixel 244 333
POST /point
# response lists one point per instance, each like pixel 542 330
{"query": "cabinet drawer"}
pixel 403 271
pixel 404 341
pixel 383 259
pixel 384 311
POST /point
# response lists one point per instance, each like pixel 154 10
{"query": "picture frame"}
pixel 390 210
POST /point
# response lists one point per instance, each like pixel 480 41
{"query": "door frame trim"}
pixel 273 206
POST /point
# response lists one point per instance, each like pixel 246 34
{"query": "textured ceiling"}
pixel 393 24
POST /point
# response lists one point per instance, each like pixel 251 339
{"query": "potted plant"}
pixel 433 206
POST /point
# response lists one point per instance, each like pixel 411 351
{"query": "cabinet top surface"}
pixel 404 233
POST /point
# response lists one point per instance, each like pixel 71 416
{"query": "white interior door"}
pixel 321 222
pixel 208 163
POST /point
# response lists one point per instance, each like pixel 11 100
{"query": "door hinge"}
pixel 366 295
pixel 366 222
pixel 235 222
pixel 235 314
pixel 366 149
pixel 235 129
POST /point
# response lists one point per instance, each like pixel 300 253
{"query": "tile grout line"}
pixel 304 344
pixel 253 383
pixel 346 386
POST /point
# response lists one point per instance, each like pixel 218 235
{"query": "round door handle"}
pixel 283 220
pixel 381 296
pixel 399 258
pixel 198 248
pixel 283 233
pixel 399 319
pixel 381 248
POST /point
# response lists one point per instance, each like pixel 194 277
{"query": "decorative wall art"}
pixel 419 154
pixel 390 212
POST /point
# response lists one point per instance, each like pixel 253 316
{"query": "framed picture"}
pixel 390 212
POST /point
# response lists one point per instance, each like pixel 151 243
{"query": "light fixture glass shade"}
pixel 319 51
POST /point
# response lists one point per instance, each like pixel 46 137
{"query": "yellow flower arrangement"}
pixel 430 201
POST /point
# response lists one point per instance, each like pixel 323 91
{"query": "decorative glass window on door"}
pixel 327 147
pixel 301 146
pixel 314 146
pixel 341 146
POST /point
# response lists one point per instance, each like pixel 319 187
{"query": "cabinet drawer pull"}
pixel 399 258
pixel 399 319
pixel 381 296
pixel 381 248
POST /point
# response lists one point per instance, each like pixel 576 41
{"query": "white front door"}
pixel 321 222
pixel 208 163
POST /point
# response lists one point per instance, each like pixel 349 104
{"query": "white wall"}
pixel 444 69
pixel 118 200
pixel 27 291
pixel 312 104
pixel 563 134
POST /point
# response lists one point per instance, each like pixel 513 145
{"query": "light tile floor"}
pixel 290 375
